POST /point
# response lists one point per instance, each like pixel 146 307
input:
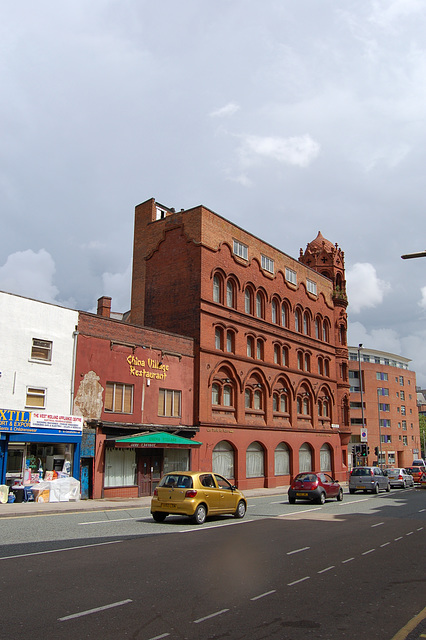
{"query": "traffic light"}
pixel 376 451
pixel 363 451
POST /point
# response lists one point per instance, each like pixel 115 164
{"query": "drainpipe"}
pixel 74 357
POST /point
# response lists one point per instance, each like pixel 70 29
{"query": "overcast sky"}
pixel 284 116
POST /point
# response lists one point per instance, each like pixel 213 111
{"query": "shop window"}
pixel 223 459
pixel 120 468
pixel 282 460
pixel 255 460
pixel 36 398
pixel 41 350
pixel 118 397
pixel 169 403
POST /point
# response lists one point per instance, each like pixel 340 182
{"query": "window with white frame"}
pixel 240 250
pixel 267 264
pixel 311 286
pixel 41 350
pixel 290 275
pixel 36 397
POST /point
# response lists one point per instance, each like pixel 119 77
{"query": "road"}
pixel 339 571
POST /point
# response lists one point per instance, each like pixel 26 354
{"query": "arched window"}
pixel 325 331
pixel 259 305
pixel 284 355
pixel 298 321
pixel 255 461
pixel 259 350
pixel 230 341
pixel 215 394
pixel 223 459
pixel 325 458
pixel 280 401
pixel 320 366
pixel 282 460
pixel 306 324
pixel 248 301
pixel 317 328
pixel 305 406
pixel 307 362
pixel 327 368
pixel 218 338
pixel 305 458
pixel 277 351
pixel 247 398
pixel 230 294
pixel 216 288
pixel 257 399
pixel 227 395
pixel 300 360
pixel 284 315
pixel 250 347
pixel 274 312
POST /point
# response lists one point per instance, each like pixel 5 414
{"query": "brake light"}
pixel 399 477
pixel 191 493
pixel 156 492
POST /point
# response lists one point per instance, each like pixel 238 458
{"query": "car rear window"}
pixel 361 472
pixel 176 480
pixel 306 477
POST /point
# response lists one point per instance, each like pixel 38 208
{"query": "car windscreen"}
pixel 176 480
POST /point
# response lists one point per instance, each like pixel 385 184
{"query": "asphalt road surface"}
pixel 340 571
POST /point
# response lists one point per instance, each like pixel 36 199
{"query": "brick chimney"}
pixel 104 306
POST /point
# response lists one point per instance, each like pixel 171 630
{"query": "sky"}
pixel 284 116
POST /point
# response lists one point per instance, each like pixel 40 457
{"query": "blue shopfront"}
pixel 33 444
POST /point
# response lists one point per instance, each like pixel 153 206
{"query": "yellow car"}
pixel 197 495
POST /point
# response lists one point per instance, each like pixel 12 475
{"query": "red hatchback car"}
pixel 316 487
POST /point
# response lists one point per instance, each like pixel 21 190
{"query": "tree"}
pixel 422 426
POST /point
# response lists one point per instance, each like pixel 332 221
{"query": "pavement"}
pixel 18 509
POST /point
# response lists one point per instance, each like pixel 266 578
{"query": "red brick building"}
pixel 387 409
pixel 271 391
pixel 135 388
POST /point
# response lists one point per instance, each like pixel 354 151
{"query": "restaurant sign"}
pixel 15 421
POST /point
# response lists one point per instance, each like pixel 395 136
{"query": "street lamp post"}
pixel 360 386
pixel 379 391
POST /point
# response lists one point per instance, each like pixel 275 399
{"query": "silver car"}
pixel 400 478
pixel 368 479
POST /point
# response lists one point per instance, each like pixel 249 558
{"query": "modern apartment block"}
pixel 383 402
pixel 271 389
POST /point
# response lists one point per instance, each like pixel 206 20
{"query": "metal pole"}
pixel 360 387
pixel 380 429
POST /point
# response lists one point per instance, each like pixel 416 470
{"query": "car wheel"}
pixel 291 500
pixel 241 510
pixel 387 488
pixel 159 516
pixel 340 496
pixel 376 489
pixel 200 514
pixel 351 490
pixel 321 499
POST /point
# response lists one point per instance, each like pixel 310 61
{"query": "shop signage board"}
pixel 35 422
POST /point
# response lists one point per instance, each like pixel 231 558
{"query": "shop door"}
pixel 149 473
pixel 86 478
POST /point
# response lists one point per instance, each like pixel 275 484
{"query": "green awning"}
pixel 152 439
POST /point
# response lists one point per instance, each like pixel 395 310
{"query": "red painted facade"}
pixel 115 355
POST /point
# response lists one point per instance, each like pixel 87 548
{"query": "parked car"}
pixel 368 479
pixel 416 472
pixel 423 481
pixel 315 487
pixel 400 478
pixel 197 495
pixel 419 462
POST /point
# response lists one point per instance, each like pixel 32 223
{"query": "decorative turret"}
pixel 329 260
